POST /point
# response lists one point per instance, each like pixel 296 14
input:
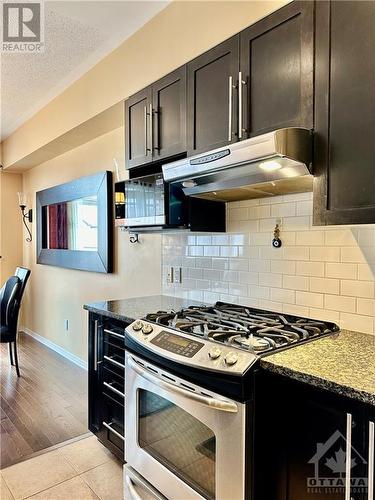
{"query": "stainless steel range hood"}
pixel 278 162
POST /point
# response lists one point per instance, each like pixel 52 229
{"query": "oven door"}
pixel 145 201
pixel 187 442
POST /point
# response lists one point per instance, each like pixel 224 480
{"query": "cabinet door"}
pixel 277 57
pixel 169 115
pixel 301 444
pixel 138 109
pixel 212 97
pixel 344 188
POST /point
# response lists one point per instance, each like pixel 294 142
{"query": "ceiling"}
pixel 77 35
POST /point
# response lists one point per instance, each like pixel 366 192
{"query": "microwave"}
pixel 149 201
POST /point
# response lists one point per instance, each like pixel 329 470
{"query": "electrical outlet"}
pixel 66 324
pixel 177 275
pixel 170 275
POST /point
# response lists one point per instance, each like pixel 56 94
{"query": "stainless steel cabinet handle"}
pixel 96 345
pixel 348 466
pixel 114 389
pixel 230 98
pixel 217 404
pixel 371 461
pixel 108 426
pixel 110 332
pixel 146 141
pixel 151 129
pixel 134 495
pixel 111 360
pixel 240 83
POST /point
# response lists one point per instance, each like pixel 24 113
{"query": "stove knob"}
pixel 147 329
pixel 214 353
pixel 231 358
pixel 138 325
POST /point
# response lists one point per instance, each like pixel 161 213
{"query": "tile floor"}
pixel 82 470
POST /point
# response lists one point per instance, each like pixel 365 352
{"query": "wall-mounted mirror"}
pixel 74 224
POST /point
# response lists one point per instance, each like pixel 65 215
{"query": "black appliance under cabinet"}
pixel 107 382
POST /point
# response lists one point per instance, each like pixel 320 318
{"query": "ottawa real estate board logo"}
pixel 22 27
pixel 329 463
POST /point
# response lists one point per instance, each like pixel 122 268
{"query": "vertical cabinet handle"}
pixel 151 129
pixel 371 464
pixel 96 345
pixel 230 99
pixel 349 420
pixel 240 83
pixel 145 130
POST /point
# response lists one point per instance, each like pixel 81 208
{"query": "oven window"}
pixel 178 440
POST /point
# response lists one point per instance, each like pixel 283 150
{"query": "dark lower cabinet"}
pixel 277 67
pixel 344 189
pixel 212 109
pixel 301 439
pixel 107 382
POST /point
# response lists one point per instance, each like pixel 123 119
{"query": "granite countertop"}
pixel 138 307
pixel 343 363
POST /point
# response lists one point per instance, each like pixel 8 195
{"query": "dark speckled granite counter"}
pixel 138 307
pixel 344 363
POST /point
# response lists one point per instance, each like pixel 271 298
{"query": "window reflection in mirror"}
pixel 71 225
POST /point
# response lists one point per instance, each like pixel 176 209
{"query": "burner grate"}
pixel 254 330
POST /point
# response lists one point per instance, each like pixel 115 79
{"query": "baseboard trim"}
pixel 55 347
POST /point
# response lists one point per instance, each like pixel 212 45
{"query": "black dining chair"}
pixel 11 298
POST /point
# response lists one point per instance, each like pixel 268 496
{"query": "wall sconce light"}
pixel 26 214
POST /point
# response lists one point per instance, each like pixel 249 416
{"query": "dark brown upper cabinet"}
pixel 344 189
pixel 211 80
pixel 155 121
pixel 277 71
pixel 137 128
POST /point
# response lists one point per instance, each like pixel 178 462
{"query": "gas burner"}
pixel 254 330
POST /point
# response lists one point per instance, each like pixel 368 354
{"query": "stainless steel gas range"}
pixel 189 397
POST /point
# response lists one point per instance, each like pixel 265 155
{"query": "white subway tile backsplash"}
pixel 296 282
pixel 325 254
pixel 326 273
pixel 270 279
pixel 310 268
pixel 325 285
pixel 309 299
pixel 355 288
pixel 340 303
pixel 366 306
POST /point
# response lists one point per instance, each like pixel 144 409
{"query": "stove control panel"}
pixel 177 344
pixel 190 350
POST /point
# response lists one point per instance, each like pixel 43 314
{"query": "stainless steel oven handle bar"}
pixel 108 426
pixel 116 391
pixel 134 495
pixel 371 464
pixel 348 462
pixel 110 332
pixel 216 404
pixel 111 360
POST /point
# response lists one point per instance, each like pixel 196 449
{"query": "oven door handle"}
pixel 216 404
pixel 129 483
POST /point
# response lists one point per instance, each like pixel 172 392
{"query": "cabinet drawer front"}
pixel 277 65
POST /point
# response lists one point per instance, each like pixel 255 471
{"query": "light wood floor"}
pixel 45 406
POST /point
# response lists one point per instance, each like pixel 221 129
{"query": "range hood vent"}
pixel 278 162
